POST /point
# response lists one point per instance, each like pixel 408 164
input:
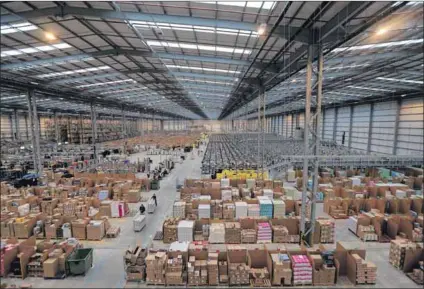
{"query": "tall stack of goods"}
pixel 170 229
pixel 226 195
pixel 268 193
pixel 216 207
pixel 253 210
pixel 265 207
pixel 241 209
pixel 327 230
pixel 291 176
pixel 251 183
pixel 281 234
pixel 213 275
pixel 279 208
pixel 238 270
pixel 225 183
pixel 174 271
pixel 204 211
pixel 302 270
pixel 179 210
pixel 366 272
pixel 367 233
pixel 197 271
pixel 282 273
pixel 155 268
pixel 185 231
pixel 229 211
pixel 398 250
pixel 217 233
pixel 264 232
pixel 232 233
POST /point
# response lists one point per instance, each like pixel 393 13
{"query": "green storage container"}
pixel 80 262
pixel 155 185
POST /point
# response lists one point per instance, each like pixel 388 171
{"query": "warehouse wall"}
pixel 373 127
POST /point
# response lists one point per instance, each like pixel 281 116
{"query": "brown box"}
pixel 79 229
pixel 95 230
pixel 50 267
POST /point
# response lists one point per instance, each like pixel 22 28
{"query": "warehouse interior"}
pixel 213 144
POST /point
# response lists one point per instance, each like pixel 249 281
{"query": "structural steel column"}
pixel 56 127
pixel 306 138
pixel 124 125
pixel 16 121
pixel 94 132
pixel 350 127
pixel 35 131
pixel 317 142
pixel 26 127
pixel 81 121
pixel 323 120
pixel 370 128
pixel 261 126
pixel 396 132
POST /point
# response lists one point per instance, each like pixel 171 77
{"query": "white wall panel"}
pixel 360 126
pixel 342 125
pixel 23 127
pixel 5 127
pixel 328 123
pixel 383 127
pixel 410 130
pixel 301 117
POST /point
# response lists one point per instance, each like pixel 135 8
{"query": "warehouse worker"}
pixel 142 209
pixel 154 199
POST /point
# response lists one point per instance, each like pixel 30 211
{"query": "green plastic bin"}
pixel 80 262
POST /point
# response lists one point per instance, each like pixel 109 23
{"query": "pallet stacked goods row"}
pixel 48 259
pixel 240 151
pixel 78 207
pixel 408 257
pixel 203 264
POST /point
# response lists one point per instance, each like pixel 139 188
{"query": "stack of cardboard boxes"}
pixel 302 270
pixel 397 252
pixel 174 271
pixel 232 233
pixel 156 268
pixel 223 271
pixel 216 208
pixel 238 270
pixel 229 211
pixel 135 263
pixel 213 273
pixel 281 233
pixel 170 229
pixel 327 230
pixel 323 274
pixel 366 272
pixel 197 272
pixel 217 233
pixel 367 233
pixel 282 273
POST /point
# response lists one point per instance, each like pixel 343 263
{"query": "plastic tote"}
pixel 80 262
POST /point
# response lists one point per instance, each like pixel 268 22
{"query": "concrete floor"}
pixel 108 270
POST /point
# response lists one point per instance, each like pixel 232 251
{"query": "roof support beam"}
pixel 201 75
pixel 282 31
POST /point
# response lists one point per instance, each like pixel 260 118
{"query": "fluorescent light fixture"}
pixel 207 81
pixel 401 80
pixel 106 83
pixel 53 62
pixel 268 5
pixel 379 45
pixel 192 28
pixel 35 49
pixel 202 68
pixel 370 88
pixel 346 66
pixel 348 94
pixel 13 97
pixel 210 94
pixel 123 90
pixel 183 45
pixel 17 27
pixel 69 72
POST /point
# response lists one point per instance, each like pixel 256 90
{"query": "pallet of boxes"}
pixel 170 230
pixel 281 268
pixel 197 266
pixel 135 264
pixel 156 268
pixel 260 268
pixel 238 269
pixel 409 257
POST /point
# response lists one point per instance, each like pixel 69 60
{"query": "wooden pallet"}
pixel 413 278
pixel 60 276
pixel 35 275
pixel 113 232
pixel 158 236
pixel 14 276
pixel 266 283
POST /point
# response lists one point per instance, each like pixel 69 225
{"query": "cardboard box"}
pixel 95 230
pixel 50 267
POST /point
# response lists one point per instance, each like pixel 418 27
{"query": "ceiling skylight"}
pixel 192 28
pixel 198 47
pixel 123 90
pixel 401 80
pixel 207 81
pixel 106 83
pixel 379 45
pixel 69 72
pixel 202 68
pixel 34 49
pixel 17 27
pixel 266 5
pixel 370 88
